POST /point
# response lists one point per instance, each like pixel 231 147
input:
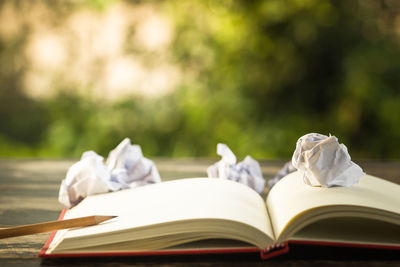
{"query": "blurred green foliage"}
pixel 258 75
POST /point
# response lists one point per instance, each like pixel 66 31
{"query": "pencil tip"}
pixel 100 218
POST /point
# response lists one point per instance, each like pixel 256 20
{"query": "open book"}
pixel 215 215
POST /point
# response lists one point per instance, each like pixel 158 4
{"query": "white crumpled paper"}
pixel 247 172
pixel 325 162
pixel 129 168
pixel 125 168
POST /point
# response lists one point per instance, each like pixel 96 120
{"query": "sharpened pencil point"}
pixel 100 218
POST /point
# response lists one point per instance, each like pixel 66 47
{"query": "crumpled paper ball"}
pixel 325 162
pixel 129 168
pixel 125 168
pixel 247 172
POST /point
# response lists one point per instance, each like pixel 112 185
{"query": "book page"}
pixel 291 197
pixel 351 230
pixel 174 201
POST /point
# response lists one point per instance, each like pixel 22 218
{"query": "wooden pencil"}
pixel 52 226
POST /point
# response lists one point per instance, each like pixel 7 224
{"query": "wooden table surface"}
pixel 29 191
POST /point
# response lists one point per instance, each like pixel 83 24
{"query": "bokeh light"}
pixel 177 77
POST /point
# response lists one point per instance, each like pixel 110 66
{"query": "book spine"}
pixel 274 250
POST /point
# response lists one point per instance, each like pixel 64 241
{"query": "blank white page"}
pixel 177 200
pixel 291 196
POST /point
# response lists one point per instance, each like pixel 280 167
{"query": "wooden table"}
pixel 29 191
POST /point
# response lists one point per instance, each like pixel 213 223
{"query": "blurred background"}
pixel 177 77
